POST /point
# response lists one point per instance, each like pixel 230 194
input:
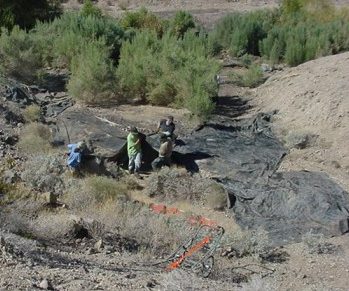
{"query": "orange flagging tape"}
pixel 176 264
pixel 200 220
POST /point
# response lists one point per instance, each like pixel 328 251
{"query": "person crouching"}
pixel 75 156
pixel 165 153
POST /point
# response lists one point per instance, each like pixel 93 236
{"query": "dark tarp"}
pixel 245 157
pixel 108 138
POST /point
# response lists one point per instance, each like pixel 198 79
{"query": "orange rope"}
pixel 176 264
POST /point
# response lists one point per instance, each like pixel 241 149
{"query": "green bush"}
pixel 251 78
pixel 72 31
pixel 169 71
pixel 305 41
pixel 19 55
pixel 142 20
pixel 241 33
pixel 181 23
pixel 92 79
pixel 300 31
pixel 88 9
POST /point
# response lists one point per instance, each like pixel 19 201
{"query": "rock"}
pixel 10 139
pixel 99 245
pixel 44 284
pixel 266 68
pixel 10 177
pixel 50 198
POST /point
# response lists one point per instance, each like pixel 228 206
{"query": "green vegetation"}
pixel 165 62
pixel 181 23
pixel 250 78
pixel 142 20
pixel 92 79
pixel 169 71
pixel 300 31
pixel 90 10
pixel 19 56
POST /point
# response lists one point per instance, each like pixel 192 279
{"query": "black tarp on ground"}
pixel 244 157
pixel 108 138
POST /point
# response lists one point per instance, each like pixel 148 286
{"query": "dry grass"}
pixel 35 138
pixel 32 113
pixel 107 201
pixel 43 172
pixel 176 184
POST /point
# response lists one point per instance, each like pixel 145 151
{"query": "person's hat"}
pixel 132 129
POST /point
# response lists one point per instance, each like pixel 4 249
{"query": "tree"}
pixel 25 12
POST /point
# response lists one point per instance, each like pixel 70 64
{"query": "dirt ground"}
pixel 312 102
pixel 206 12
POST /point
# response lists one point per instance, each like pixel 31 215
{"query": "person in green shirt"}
pixel 134 151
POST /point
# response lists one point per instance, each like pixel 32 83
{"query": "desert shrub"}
pixel 173 185
pixel 317 244
pixel 26 12
pixel 92 80
pixel 104 189
pixel 142 20
pixel 69 34
pixel 19 55
pixel 301 42
pixel 321 10
pixel 241 33
pixel 299 31
pixel 35 138
pixel 105 200
pixel 169 71
pixel 250 78
pixel 216 197
pixel 159 235
pixel 32 113
pixel 181 23
pixel 253 77
pixel 89 9
pixel 44 173
pixel 15 192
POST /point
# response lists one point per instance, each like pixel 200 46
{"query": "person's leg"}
pixel 138 162
pixel 131 163
pixel 156 164
pixel 167 161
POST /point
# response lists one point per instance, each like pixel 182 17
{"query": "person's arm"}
pixel 158 128
pixel 172 128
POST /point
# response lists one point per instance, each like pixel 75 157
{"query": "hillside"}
pixel 313 118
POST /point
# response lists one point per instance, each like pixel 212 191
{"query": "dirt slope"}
pixel 313 104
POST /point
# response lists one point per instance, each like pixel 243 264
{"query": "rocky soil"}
pixel 70 253
pixel 313 115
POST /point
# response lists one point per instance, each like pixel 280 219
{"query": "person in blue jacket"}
pixel 74 155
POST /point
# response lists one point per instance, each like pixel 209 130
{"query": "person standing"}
pixel 134 151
